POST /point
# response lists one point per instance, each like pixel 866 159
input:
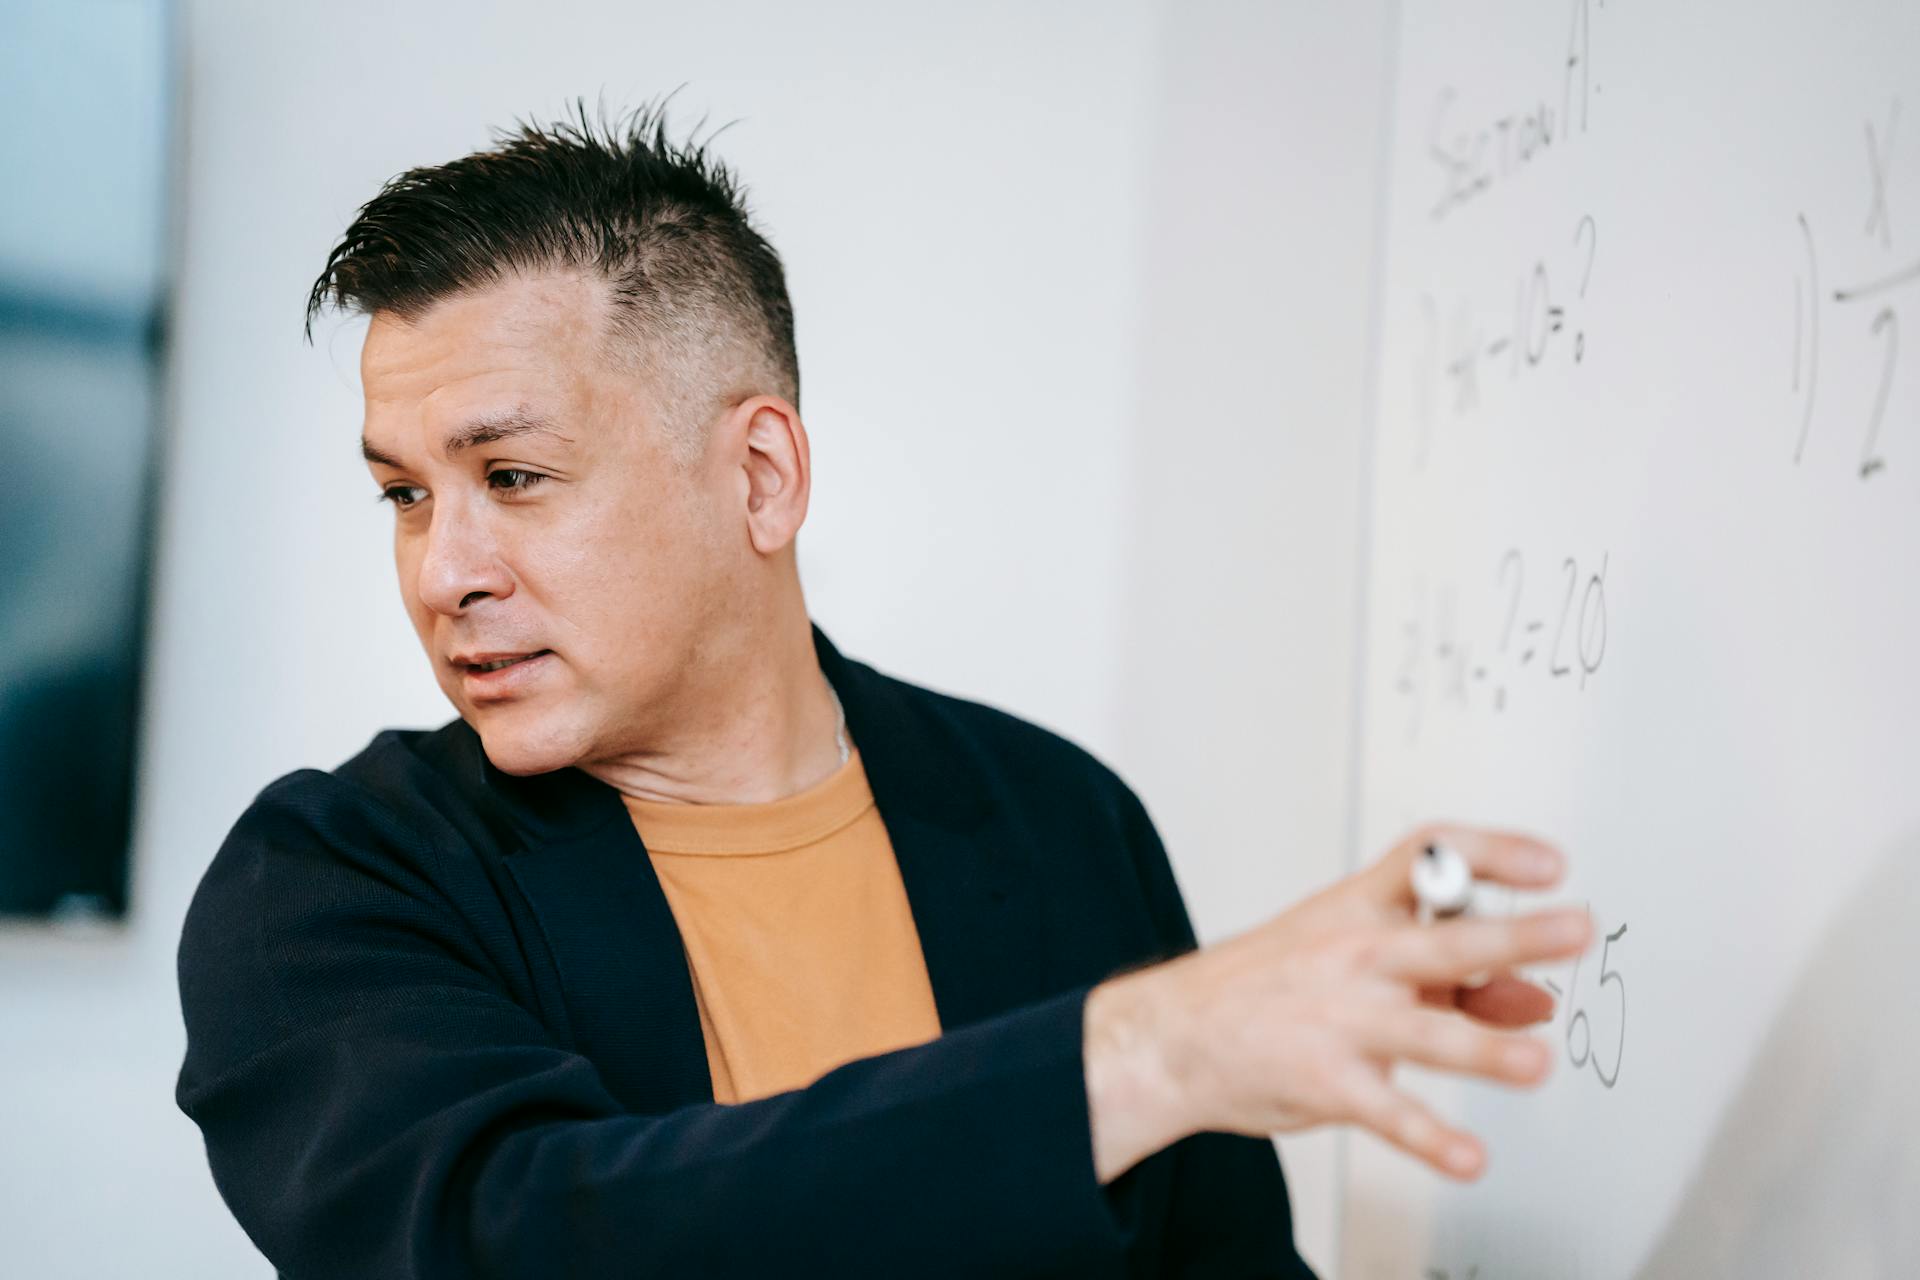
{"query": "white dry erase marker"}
pixel 1442 882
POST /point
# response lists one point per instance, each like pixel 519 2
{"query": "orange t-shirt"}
pixel 798 934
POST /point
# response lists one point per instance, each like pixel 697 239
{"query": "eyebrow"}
pixel 483 430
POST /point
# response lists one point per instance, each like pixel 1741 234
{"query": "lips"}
pixel 496 677
pixel 493 660
pixel 498 664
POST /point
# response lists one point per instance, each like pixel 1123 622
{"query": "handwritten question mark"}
pixel 1512 558
pixel 1588 230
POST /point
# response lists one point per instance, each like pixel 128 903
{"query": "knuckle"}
pixel 1447 946
pixel 1490 1054
pixel 1437 1040
pixel 1366 953
pixel 1362 1089
pixel 1414 1128
pixel 1382 948
pixel 1330 1077
pixel 1491 946
pixel 1348 951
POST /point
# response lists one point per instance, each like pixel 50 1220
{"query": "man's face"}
pixel 563 528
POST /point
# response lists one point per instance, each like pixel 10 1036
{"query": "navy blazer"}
pixel 440 1023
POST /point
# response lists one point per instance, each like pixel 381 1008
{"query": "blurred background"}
pixel 1083 297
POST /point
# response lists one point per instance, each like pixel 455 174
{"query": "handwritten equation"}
pixel 1541 325
pixel 1863 310
pixel 1516 638
pixel 1604 1050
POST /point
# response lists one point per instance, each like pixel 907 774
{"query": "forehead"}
pixel 526 340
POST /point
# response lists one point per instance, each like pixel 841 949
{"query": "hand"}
pixel 1299 1021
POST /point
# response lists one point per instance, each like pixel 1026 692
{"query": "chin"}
pixel 521 744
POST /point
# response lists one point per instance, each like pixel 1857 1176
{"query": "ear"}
pixel 777 469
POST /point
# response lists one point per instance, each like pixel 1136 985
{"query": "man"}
pixel 692 947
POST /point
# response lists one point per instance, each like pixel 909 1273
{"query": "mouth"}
pixel 499 664
pixel 502 673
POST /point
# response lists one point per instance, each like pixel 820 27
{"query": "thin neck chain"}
pixel 840 730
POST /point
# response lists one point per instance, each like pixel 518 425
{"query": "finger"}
pixel 1500 857
pixel 1450 1042
pixel 1409 1125
pixel 1451 951
pixel 1505 1001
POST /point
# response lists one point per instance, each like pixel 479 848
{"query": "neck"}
pixel 759 728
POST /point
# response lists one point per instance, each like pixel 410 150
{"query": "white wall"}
pixel 1242 566
pixel 1085 428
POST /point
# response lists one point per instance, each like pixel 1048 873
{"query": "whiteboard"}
pixel 1644 549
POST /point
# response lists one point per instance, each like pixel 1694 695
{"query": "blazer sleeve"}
pixel 375 1104
pixel 1229 1214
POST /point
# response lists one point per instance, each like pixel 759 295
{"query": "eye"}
pixel 396 494
pixel 526 480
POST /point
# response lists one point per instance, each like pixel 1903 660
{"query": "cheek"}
pixel 629 575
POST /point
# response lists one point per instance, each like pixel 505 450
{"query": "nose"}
pixel 461 563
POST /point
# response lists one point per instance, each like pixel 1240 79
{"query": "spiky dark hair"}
pixel 666 224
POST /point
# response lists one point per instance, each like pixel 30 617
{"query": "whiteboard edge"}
pixel 1363 531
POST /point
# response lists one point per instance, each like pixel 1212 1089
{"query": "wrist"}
pixel 1136 1101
